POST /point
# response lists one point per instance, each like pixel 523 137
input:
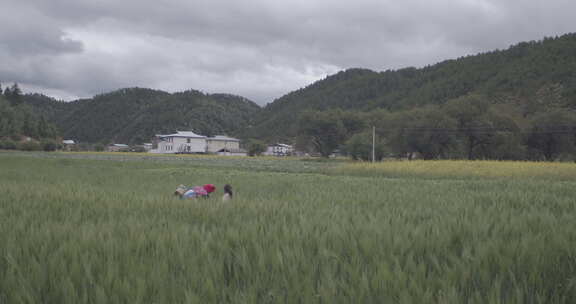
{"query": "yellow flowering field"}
pixel 462 169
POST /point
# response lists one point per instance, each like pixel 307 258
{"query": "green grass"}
pixel 108 231
pixel 263 163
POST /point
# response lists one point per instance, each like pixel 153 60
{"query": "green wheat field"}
pixel 105 228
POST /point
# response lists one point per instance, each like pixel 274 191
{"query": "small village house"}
pixel 117 148
pixel 221 143
pixel 68 144
pixel 279 150
pixel 147 146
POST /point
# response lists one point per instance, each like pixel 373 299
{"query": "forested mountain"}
pixel 135 115
pixel 518 103
pixel 528 76
pixel 18 119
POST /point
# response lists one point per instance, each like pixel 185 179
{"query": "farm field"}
pixel 105 228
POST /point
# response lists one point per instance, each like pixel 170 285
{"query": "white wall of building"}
pixel 189 142
pixel 175 144
pixel 279 150
pixel 215 144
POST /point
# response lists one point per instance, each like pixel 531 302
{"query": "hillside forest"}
pixel 135 115
pixel 20 121
pixel 516 104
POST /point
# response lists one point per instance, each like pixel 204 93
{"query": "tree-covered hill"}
pixel 518 103
pixel 18 120
pixel 524 75
pixel 135 115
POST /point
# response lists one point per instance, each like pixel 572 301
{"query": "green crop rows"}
pixel 108 231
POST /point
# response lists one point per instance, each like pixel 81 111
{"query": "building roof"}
pixel 223 138
pixel 281 145
pixel 187 134
pixel 68 142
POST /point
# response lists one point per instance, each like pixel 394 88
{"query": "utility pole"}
pixel 373 143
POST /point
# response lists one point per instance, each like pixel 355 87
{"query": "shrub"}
pixel 139 149
pixel 30 146
pixel 359 147
pixel 99 147
pixel 7 144
pixel 256 147
pixel 49 145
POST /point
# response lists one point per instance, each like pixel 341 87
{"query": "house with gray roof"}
pixel 190 142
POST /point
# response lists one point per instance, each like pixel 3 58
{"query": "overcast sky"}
pixel 260 49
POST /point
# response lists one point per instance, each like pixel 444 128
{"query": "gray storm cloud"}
pixel 259 49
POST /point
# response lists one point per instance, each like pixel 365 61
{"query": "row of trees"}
pixel 469 127
pixel 12 93
pixel 18 119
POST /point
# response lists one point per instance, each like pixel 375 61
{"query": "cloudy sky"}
pixel 260 49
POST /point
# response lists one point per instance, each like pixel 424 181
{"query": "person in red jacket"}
pixel 209 188
pixel 198 191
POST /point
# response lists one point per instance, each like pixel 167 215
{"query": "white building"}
pixel 180 142
pixel 279 150
pixel 221 143
pixel 68 144
pixel 147 146
pixel 117 148
pixel 190 142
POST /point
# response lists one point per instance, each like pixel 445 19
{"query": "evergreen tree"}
pixel 45 129
pixel 14 94
pixel 29 124
pixel 6 118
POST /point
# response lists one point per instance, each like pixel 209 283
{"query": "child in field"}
pixel 198 191
pixel 227 193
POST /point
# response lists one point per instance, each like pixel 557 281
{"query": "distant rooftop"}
pixel 188 134
pixel 223 138
pixel 282 145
